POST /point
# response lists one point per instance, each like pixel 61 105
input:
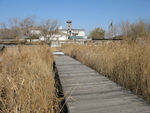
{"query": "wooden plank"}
pixel 86 91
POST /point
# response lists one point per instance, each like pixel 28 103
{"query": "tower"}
pixel 69 27
pixel 111 30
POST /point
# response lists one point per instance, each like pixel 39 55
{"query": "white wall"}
pixel 64 31
pixel 36 32
pixel 81 33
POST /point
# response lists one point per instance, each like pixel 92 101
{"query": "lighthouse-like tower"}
pixel 69 28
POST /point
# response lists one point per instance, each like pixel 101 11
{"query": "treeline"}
pixel 16 28
pixel 123 30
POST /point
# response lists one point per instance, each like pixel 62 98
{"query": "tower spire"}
pixel 69 27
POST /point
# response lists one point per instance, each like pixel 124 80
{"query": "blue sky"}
pixel 86 14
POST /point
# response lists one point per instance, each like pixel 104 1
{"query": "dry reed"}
pixel 128 64
pixel 26 80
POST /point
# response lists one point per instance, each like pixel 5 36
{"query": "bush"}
pixel 97 33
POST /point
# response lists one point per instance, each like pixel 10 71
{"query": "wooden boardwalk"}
pixel 87 91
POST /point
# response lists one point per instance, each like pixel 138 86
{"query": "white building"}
pixel 75 34
pixel 69 33
pixel 63 34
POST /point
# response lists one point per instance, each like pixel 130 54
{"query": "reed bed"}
pixel 27 81
pixel 126 63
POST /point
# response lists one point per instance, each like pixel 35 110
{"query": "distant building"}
pixel 73 33
pixel 69 33
pixel 63 34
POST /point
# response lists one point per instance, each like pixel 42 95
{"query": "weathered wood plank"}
pixel 86 91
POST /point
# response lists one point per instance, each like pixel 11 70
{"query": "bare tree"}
pixel 6 32
pixel 19 28
pixel 125 28
pixel 48 28
pixel 3 30
pixel 135 30
pixel 14 24
pixel 26 25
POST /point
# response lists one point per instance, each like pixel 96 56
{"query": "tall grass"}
pixel 26 81
pixel 128 64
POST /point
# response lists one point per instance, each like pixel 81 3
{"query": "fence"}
pixel 55 43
